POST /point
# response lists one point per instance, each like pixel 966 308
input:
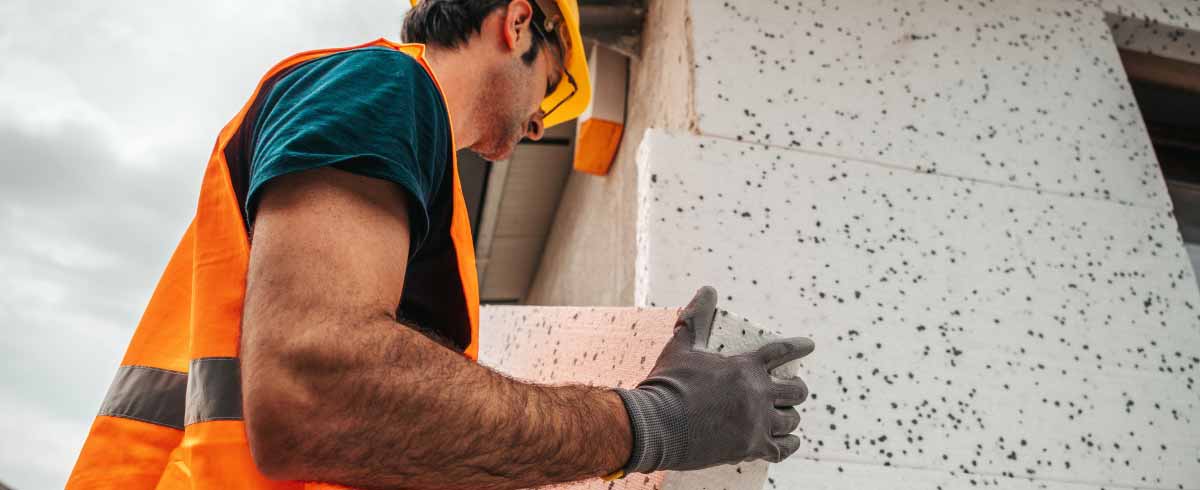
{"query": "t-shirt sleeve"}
pixel 374 112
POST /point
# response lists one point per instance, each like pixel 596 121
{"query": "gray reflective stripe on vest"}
pixel 173 399
pixel 214 390
pixel 147 394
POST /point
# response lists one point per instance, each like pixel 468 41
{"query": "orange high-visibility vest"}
pixel 172 418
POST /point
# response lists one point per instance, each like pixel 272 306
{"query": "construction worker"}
pixel 318 321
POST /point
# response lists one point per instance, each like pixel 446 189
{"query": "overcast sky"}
pixel 108 111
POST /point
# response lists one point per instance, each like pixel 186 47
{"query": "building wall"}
pixel 589 255
pixel 959 202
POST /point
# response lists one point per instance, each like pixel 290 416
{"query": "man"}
pixel 339 347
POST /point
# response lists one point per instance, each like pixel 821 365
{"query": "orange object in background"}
pixel 596 145
pixel 603 122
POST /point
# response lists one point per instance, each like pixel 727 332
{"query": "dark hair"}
pixel 450 23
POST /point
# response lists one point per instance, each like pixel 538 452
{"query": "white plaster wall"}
pixel 959 202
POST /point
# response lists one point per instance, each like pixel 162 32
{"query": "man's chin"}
pixel 494 154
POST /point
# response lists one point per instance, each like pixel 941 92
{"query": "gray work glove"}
pixel 699 409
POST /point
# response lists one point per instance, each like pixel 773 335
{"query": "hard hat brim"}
pixel 575 64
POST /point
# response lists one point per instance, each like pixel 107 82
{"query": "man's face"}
pixel 510 101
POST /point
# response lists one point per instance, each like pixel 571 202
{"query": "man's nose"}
pixel 535 129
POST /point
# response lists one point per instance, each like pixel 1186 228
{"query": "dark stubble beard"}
pixel 503 114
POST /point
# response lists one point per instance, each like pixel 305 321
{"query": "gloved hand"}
pixel 699 409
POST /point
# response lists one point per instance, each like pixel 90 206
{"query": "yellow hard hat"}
pixel 559 19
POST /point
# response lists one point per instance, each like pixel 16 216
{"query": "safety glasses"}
pixel 548 19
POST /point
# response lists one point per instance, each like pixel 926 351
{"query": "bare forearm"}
pixel 335 390
pixel 389 408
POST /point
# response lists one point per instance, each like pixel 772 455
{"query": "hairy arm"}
pixel 336 390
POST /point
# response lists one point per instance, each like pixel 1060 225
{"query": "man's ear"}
pixel 517 34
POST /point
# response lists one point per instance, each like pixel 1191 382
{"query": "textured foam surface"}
pixel 1029 93
pixel 614 347
pixel 959 202
pixel 972 330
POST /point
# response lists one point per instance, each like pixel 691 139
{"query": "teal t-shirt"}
pixel 372 111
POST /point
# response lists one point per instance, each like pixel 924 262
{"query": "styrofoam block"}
pixel 595 346
pixel 805 474
pixel 614 347
pixel 1029 93
pixel 1181 14
pixel 960 325
pixel 1148 36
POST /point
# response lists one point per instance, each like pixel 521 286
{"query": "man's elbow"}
pixel 278 428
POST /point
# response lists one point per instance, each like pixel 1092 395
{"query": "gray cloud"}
pixel 82 240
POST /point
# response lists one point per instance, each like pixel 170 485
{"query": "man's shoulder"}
pixel 371 63
pixel 368 82
pixel 379 56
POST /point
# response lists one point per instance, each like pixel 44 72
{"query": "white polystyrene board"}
pixel 615 347
pixel 1148 36
pixel 1180 14
pixel 1029 93
pixel 612 347
pixel 805 474
pixel 959 324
